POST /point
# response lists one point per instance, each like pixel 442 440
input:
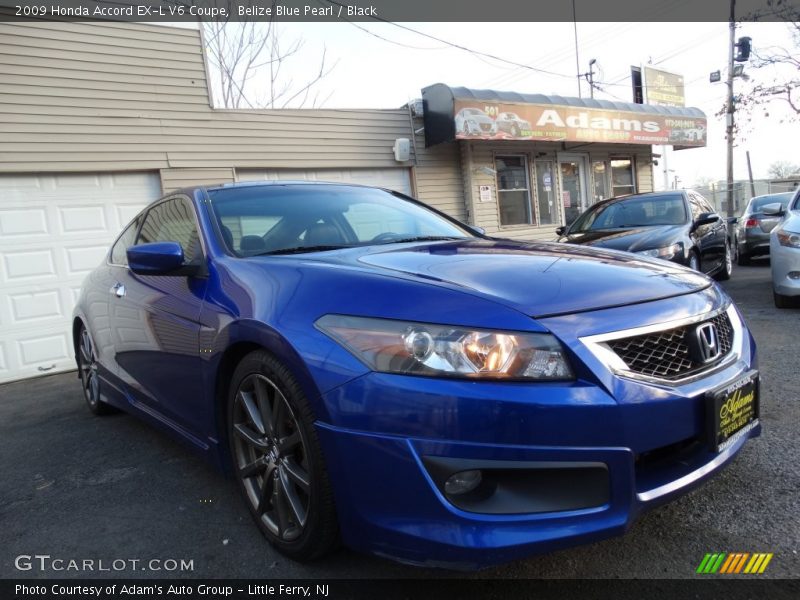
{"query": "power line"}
pixel 476 53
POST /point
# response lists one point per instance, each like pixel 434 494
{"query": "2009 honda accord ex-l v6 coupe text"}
pixel 373 372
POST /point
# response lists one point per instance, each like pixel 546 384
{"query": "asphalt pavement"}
pixel 79 487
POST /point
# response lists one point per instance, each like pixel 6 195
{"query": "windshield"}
pixel 274 219
pixel 667 209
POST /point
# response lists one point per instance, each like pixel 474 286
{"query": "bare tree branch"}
pixel 251 63
pixel 774 71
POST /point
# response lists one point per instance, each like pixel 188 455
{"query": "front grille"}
pixel 670 354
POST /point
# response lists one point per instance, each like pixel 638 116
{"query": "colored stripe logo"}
pixel 734 563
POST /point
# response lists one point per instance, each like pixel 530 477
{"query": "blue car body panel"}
pixel 163 350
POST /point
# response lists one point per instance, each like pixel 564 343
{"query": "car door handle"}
pixel 118 290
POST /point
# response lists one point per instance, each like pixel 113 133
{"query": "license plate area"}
pixel 732 411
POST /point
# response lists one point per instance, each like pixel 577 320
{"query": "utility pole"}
pixel 750 174
pixel 731 109
pixel 590 76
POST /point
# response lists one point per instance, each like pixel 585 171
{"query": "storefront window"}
pixel 546 192
pixel 513 190
pixel 622 176
pixel 600 176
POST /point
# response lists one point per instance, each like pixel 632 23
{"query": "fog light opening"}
pixel 463 482
pixel 794 275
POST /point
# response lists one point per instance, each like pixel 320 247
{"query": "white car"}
pixel 473 121
pixel 784 251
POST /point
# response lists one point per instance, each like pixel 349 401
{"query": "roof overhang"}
pixel 462 114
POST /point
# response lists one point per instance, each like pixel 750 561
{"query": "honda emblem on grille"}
pixel 708 342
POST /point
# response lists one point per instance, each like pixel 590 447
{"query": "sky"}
pixel 384 65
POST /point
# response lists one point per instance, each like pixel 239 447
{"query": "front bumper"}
pixel 650 441
pixel 784 261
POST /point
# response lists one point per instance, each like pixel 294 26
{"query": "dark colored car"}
pixel 372 371
pixel 752 229
pixel 680 226
pixel 512 124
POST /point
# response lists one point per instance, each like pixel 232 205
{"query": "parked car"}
pixel 784 249
pixel 751 237
pixel 512 124
pixel 473 121
pixel 373 371
pixel 680 226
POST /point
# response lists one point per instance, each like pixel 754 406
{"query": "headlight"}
pixel 788 238
pixel 666 253
pixel 424 349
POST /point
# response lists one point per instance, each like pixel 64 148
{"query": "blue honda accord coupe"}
pixel 375 373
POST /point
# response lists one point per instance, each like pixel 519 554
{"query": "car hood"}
pixel 630 240
pixel 538 279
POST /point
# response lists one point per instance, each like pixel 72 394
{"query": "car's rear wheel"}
pixel 88 371
pixel 277 459
pixel 742 259
pixel 726 269
pixel 782 301
pixel 515 130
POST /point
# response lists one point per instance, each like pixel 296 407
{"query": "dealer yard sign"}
pixel 548 122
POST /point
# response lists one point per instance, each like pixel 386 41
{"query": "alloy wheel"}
pixel 87 363
pixel 728 261
pixel 271 457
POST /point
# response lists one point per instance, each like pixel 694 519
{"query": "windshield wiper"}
pixel 299 250
pixel 424 238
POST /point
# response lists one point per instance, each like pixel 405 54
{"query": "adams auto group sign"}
pixel 553 123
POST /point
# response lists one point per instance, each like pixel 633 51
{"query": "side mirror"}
pixel 773 210
pixel 478 230
pixel 733 220
pixel 158 258
pixel 705 219
pixel 561 230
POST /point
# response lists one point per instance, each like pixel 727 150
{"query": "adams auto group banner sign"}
pixel 554 123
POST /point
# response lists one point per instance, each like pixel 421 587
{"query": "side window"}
pixel 706 204
pixel 702 204
pixel 696 207
pixel 172 221
pixel 125 241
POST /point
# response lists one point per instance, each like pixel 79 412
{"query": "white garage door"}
pixel 394 179
pixel 54 229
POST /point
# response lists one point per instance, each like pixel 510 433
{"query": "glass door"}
pixel 574 198
pixel 546 192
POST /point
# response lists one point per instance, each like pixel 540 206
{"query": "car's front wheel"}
pixel 88 372
pixel 726 269
pixel 277 459
pixel 694 261
pixel 782 301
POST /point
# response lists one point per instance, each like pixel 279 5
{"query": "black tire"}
pixel 742 259
pixel 726 269
pixel 694 261
pixel 87 371
pixel 782 301
pixel 277 459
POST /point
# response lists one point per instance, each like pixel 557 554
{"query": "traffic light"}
pixel 744 47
